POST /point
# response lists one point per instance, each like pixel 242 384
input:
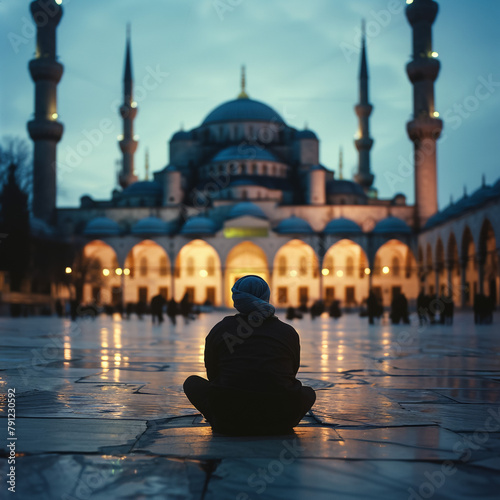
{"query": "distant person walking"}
pixel 157 304
pixel 185 308
pixel 172 310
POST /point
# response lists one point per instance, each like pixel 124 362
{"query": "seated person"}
pixel 252 359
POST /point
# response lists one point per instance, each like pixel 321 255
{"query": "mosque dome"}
pixel 342 226
pixel 199 225
pixel 344 187
pixel 182 135
pixel 294 225
pixel 143 189
pixel 246 208
pixel 151 225
pixel 102 226
pixel 306 134
pixel 392 225
pixel 243 110
pixel 245 153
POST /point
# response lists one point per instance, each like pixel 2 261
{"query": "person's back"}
pixel 252 359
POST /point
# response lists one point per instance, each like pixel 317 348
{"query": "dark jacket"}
pixel 260 358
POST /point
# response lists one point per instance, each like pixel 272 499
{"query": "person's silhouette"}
pixel 252 359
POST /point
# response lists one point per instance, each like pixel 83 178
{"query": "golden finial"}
pixel 243 94
pixel 147 164
pixel 341 164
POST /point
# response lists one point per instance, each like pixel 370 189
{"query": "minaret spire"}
pixel 425 127
pixel 128 112
pixel 243 94
pixel 45 130
pixel 341 163
pixel 364 109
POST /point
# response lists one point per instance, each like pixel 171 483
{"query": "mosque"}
pixel 246 193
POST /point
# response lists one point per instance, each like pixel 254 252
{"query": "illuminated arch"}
pixel 386 282
pixel 489 260
pixel 198 273
pixel 295 274
pixel 469 265
pixel 96 274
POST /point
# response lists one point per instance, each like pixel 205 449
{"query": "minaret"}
pixel 44 129
pixel 128 111
pixel 243 94
pixel 341 164
pixel 364 109
pixel 426 127
pixel 146 165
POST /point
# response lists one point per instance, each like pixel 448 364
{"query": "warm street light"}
pixel 293 273
pixel 68 270
pixel 203 273
pixel 340 273
pixel 105 272
pixel 126 271
pixel 385 270
pixel 325 272
pixel 367 271
pixel 119 271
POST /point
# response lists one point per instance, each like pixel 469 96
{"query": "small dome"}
pixel 294 225
pixel 39 227
pixel 342 226
pixel 306 134
pixel 243 110
pixel 151 225
pixel 143 189
pixel 102 226
pixel 246 208
pixel 344 187
pixel 199 225
pixel 392 225
pixel 245 153
pixel 182 135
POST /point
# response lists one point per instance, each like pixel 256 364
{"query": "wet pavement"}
pixel 402 412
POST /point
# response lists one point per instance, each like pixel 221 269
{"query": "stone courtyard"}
pixel 402 412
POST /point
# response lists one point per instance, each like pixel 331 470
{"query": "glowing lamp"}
pixel 68 270
pixel 293 273
pixel 434 54
pixel 54 116
pixel 203 273
pixel 126 272
pixel 325 272
pixel 385 270
pixel 340 273
pixel 436 114
pixel 409 2
pixel 368 271
pixel 58 2
pixel 119 271
pixel 133 105
pixel 105 272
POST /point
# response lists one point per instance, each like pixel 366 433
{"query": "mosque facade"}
pixel 246 193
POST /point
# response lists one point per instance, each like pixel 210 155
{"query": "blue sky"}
pixel 301 58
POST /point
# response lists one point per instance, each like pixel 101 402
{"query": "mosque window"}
pixel 254 169
pixel 282 266
pixel 396 268
pixel 210 265
pixel 143 267
pixel 349 266
pixel 282 295
pixel 264 170
pixel 303 266
pixel 190 266
pixel 274 170
pixel 163 266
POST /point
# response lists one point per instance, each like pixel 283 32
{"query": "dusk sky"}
pixel 302 58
